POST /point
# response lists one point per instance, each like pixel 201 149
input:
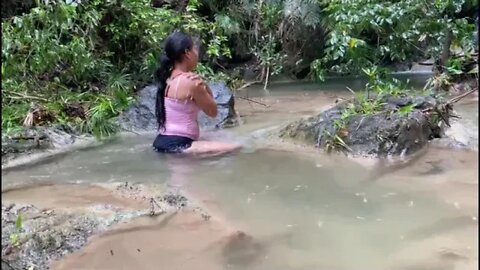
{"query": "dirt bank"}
pixel 179 240
pixel 45 222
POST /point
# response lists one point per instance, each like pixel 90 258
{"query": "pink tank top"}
pixel 181 117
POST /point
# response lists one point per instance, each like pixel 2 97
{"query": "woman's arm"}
pixel 208 89
pixel 203 97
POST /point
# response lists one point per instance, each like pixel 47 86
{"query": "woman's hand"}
pixel 200 82
pixel 201 94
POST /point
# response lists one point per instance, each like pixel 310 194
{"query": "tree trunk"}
pixel 442 62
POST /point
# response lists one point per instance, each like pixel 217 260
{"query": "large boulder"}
pixel 141 115
pixel 226 116
pixel 387 132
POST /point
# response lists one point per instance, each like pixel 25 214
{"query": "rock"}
pixel 46 236
pixel 141 115
pixel 423 67
pixel 387 132
pixel 36 139
pixel 6 266
pixel 463 131
pixel 226 109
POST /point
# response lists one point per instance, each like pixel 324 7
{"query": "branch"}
pixel 458 98
pixel 22 96
pixel 131 131
pixel 251 100
pixel 248 85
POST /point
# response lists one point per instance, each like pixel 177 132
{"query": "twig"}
pixel 22 96
pixel 251 100
pixel 458 98
pixel 129 130
pixel 221 122
pixel 444 119
pixel 248 85
pixel 35 138
pixel 359 124
pixel 266 78
pixel 351 91
pixel 153 202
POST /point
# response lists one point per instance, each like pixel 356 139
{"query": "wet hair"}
pixel 175 47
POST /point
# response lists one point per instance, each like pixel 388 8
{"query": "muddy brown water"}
pixel 298 209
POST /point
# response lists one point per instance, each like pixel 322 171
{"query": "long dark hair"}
pixel 175 46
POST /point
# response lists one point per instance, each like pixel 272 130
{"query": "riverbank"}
pixel 34 145
pixel 43 223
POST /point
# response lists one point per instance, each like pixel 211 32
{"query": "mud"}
pixel 59 219
pixel 180 240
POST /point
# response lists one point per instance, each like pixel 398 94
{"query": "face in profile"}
pixel 192 56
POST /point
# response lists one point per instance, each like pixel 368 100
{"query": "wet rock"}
pixel 174 200
pixel 464 85
pixel 387 132
pixel 38 139
pixel 141 116
pixel 226 108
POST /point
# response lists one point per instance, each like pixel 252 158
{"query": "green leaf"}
pixel 18 222
pixel 406 109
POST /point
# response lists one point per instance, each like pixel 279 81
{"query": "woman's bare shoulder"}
pixel 192 80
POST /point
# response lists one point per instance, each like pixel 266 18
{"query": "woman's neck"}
pixel 181 68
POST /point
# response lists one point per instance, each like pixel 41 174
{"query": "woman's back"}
pixel 181 111
pixel 181 95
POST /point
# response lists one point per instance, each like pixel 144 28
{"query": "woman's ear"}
pixel 188 54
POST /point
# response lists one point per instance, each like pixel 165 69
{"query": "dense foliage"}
pixel 79 62
pixel 368 33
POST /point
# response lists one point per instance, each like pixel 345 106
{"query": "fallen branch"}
pixel 35 138
pixel 458 98
pixel 451 101
pixel 129 130
pixel 351 91
pixel 24 96
pixel 251 100
pixel 444 119
pixel 248 85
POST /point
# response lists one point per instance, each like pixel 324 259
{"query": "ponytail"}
pixel 163 72
pixel 175 47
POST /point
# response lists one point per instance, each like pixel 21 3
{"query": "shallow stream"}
pixel 306 210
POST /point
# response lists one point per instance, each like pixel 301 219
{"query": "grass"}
pixel 15 236
pixel 365 103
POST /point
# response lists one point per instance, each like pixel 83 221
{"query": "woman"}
pixel 181 96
